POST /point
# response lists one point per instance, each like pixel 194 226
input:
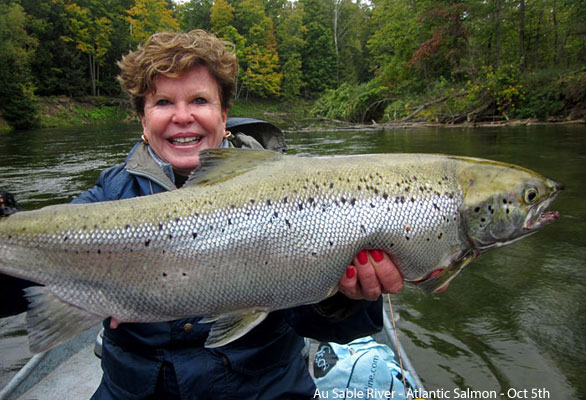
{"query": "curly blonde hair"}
pixel 172 54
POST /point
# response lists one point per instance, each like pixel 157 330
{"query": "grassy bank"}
pixel 61 111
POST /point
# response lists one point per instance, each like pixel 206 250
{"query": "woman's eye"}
pixel 199 100
pixel 162 102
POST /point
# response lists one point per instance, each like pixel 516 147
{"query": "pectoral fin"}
pixel 434 284
pixel 227 328
pixel 52 321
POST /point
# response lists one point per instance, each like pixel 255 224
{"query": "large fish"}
pixel 255 231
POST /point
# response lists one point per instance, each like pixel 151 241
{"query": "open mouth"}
pixel 185 141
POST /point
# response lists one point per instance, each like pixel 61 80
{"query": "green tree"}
pixel 91 35
pixel 394 35
pixel 16 89
pixel 150 16
pixel 195 14
pixel 290 34
pixel 318 56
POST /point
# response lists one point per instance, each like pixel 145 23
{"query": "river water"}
pixel 513 323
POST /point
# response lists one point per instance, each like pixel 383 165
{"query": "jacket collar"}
pixel 140 162
pixel 143 161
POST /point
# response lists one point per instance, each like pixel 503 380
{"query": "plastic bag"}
pixel 362 369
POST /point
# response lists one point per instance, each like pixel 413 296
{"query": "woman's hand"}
pixel 371 274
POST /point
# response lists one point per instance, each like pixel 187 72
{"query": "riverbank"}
pixel 62 111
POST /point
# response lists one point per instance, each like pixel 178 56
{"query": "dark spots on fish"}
pixel 477 209
pixel 352 201
pixel 507 210
pixel 99 251
pixel 385 196
pixel 184 274
pixel 412 199
pixel 170 237
pixel 288 223
pixel 127 227
pixel 313 254
pixel 147 243
pixel 164 274
pixel 363 228
pixel 65 239
pixel 406 237
pixel 372 205
pixel 268 203
pixel 232 206
pixel 407 229
pixel 359 188
pixel 300 206
pixel 331 185
pixel 229 221
pixel 436 206
pixel 311 200
pixel 160 227
pixel 211 227
pixel 251 201
pixel 343 200
pixel 504 201
pixel 177 219
pixel 440 235
pixel 194 234
pixel 428 239
pixel 331 243
pixel 482 219
pixel 84 227
pixel 285 200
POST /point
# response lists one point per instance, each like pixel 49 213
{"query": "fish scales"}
pixel 276 234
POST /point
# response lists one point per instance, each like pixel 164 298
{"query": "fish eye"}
pixel 530 195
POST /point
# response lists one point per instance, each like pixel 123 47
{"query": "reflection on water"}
pixel 515 319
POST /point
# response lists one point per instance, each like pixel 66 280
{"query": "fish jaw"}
pixel 504 203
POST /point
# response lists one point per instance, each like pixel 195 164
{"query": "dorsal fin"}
pixel 218 165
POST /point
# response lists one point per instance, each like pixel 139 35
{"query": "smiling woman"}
pixel 183 117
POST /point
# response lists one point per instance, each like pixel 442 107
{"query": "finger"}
pixel 367 279
pixel 388 274
pixel 114 323
pixel 348 284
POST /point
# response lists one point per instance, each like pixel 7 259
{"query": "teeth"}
pixel 184 140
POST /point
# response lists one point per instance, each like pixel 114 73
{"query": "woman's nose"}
pixel 183 114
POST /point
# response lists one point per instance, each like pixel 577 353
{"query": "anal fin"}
pixel 227 328
pixel 52 321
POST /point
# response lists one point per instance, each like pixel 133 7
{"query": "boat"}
pixel 73 368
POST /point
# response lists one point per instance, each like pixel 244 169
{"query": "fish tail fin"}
pixel 52 321
pixel 227 328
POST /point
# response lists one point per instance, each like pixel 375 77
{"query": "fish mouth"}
pixel 538 216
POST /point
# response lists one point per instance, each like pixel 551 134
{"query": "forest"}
pixel 446 61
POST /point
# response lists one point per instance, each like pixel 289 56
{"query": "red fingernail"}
pixel 377 255
pixel 350 272
pixel 362 257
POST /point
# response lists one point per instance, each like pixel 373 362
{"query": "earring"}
pixel 228 135
pixel 144 139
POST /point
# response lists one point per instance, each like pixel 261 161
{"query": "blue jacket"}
pixel 264 364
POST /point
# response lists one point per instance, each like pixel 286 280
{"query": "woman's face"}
pixel 183 117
